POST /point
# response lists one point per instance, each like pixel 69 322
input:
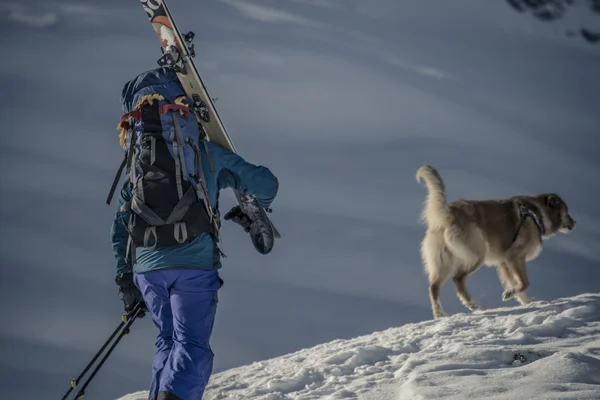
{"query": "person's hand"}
pixel 237 215
pixel 130 294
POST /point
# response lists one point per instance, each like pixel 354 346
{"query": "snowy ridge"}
pixel 545 350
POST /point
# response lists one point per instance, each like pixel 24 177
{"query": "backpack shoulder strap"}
pixel 210 160
pixel 201 189
pixel 113 187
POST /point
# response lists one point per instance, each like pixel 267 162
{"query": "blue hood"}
pixel 159 80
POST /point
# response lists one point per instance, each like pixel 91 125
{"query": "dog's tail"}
pixel 435 211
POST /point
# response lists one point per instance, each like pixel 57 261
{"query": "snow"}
pixel 544 350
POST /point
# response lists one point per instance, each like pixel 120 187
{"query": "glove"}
pixel 237 215
pixel 130 294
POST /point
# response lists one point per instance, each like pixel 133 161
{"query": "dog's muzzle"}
pixel 570 225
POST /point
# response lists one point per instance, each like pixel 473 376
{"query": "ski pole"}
pixel 136 311
pixel 75 382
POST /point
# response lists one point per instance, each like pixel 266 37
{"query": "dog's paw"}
pixel 440 314
pixel 508 294
pixel 473 306
pixel 523 299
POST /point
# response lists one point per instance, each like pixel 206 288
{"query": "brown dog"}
pixel 463 235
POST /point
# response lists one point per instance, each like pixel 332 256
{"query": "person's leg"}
pixel 194 303
pixel 155 290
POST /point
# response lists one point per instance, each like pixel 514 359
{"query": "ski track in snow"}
pixel 545 350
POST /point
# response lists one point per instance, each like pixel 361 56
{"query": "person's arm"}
pixel 119 234
pixel 130 294
pixel 247 178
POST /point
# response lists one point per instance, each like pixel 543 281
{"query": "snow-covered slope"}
pixel 546 350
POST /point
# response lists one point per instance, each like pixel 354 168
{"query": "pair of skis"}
pixel 178 53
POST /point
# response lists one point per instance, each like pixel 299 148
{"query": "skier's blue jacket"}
pixel 230 171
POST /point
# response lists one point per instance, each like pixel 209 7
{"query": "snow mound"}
pixel 545 350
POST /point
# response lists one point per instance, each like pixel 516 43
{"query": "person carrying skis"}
pixel 165 232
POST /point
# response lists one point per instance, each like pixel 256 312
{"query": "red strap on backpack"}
pixel 124 122
pixel 164 108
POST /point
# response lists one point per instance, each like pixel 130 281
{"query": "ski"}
pixel 178 52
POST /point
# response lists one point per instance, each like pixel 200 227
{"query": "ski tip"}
pixel 262 237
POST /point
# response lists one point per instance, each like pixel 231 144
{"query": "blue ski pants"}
pixel 182 304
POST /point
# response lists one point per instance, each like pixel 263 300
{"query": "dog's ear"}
pixel 553 201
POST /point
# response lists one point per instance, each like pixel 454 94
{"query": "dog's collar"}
pixel 524 212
